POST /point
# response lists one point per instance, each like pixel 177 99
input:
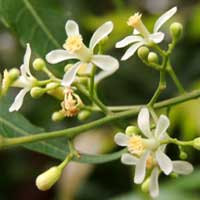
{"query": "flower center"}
pixel 149 162
pixel 136 22
pixel 73 43
pixel 135 145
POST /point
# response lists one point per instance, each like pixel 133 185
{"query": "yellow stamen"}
pixel 149 162
pixel 73 43
pixel 135 145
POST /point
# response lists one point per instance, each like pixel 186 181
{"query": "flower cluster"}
pixel 148 152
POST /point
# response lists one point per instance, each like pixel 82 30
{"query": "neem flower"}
pixel 25 81
pixel 74 48
pixel 141 36
pixel 149 153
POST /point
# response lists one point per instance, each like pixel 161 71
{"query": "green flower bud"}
pixel 57 116
pixel 196 143
pixel 84 114
pixel 67 67
pixel 14 74
pixel 132 130
pixel 52 85
pixel 152 57
pixel 176 30
pixel 39 64
pixel 143 53
pixel 37 92
pixel 183 155
pixel 47 179
pixel 174 175
pixel 145 185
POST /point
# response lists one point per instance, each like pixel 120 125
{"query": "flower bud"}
pixel 58 116
pixel 84 114
pixel 131 130
pixel 39 64
pixel 145 185
pixel 183 155
pixel 37 92
pixel 67 67
pixel 143 53
pixel 196 143
pixel 152 57
pixel 176 30
pixel 47 179
pixel 14 74
pixel 52 85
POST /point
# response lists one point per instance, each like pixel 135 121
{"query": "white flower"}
pixel 145 37
pixel 148 153
pixel 74 48
pixel 25 81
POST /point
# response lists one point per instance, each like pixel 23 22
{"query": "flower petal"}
pixel 16 105
pixel 131 50
pixel 128 159
pixel 182 167
pixel 27 57
pixel 157 37
pixel 101 75
pixel 128 40
pixel 106 63
pixel 70 75
pixel 100 34
pixel 59 55
pixel 144 122
pixel 72 28
pixel 121 139
pixel 164 162
pixel 163 18
pixel 140 170
pixel 154 186
pixel 161 126
pixel 135 32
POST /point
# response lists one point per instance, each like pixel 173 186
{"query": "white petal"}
pixel 135 32
pixel 72 28
pixel 161 126
pixel 154 186
pixel 157 37
pixel 131 50
pixel 164 162
pixel 163 18
pixel 101 75
pixel 182 167
pixel 128 159
pixel 140 170
pixel 144 122
pixel 121 139
pixel 106 63
pixel 128 40
pixel 100 34
pixel 27 57
pixel 70 75
pixel 16 105
pixel 23 71
pixel 59 55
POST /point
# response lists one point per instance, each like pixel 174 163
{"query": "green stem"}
pixel 72 132
pixel 92 88
pixel 178 142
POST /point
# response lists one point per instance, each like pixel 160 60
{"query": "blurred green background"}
pixel 135 84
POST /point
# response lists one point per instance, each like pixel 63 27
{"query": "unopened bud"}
pixel 196 143
pixel 37 92
pixel 143 53
pixel 152 57
pixel 39 64
pixel 14 74
pixel 84 114
pixel 176 30
pixel 183 155
pixel 58 116
pixel 52 85
pixel 67 67
pixel 47 179
pixel 131 130
pixel 145 185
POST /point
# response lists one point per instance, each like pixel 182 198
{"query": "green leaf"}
pixel 16 125
pixel 40 23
